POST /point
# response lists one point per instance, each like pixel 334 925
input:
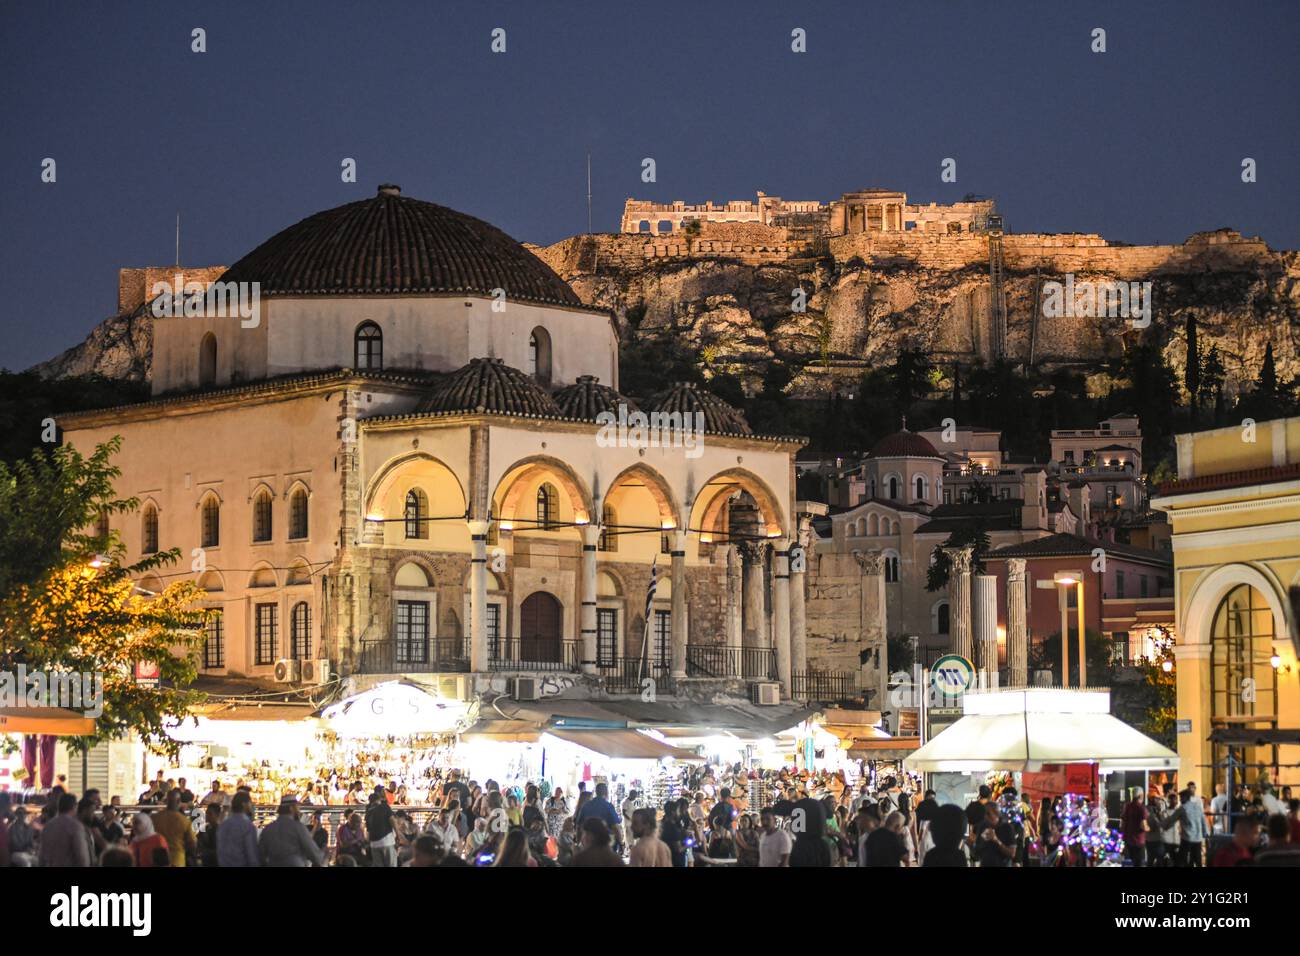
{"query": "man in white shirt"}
pixel 1219 807
pixel 774 845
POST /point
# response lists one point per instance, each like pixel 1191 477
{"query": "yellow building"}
pixel 1235 511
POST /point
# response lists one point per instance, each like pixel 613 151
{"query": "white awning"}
pixel 1024 729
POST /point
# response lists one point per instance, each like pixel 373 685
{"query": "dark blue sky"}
pixel 1142 143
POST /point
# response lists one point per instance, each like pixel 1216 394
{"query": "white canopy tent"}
pixel 1025 728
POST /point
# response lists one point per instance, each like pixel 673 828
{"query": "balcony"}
pixel 721 660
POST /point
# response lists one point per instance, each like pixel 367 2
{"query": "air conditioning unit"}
pixel 316 671
pixel 524 688
pixel 766 694
pixel 455 687
pixel 287 671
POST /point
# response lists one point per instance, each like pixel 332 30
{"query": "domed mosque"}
pixel 411 458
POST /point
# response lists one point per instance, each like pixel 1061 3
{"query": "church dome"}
pixel 391 243
pixel 586 398
pixel 719 417
pixel 489 385
pixel 903 444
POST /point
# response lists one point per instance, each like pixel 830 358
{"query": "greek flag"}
pixel 649 610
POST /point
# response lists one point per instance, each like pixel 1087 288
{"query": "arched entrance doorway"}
pixel 539 628
pixel 1243 682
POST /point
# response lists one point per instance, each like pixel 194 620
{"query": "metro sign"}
pixel 952 675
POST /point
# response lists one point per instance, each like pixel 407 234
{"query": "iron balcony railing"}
pixel 628 675
pixel 720 660
pixel 432 656
pixel 823 688
pixel 452 655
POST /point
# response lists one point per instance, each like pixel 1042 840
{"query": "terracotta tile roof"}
pixel 1073 545
pixel 687 398
pixel 903 444
pixel 1230 479
pixel 489 385
pixel 586 398
pixel 394 244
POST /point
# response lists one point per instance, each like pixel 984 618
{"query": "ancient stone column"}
pixel 590 537
pixel 679 605
pixel 873 614
pixel 754 614
pixel 478 647
pixel 959 605
pixel 984 625
pixel 798 614
pixel 781 611
pixel 735 590
pixel 1017 631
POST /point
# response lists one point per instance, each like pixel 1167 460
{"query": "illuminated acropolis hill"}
pixel 870 210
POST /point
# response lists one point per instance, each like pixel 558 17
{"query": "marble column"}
pixel 984 626
pixel 587 617
pixel 798 613
pixel 735 599
pixel 781 611
pixel 873 614
pixel 679 605
pixel 754 613
pixel 1017 631
pixel 478 646
pixel 959 605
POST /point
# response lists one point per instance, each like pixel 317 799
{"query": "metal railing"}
pixel 626 675
pixel 437 655
pixel 534 654
pixel 721 660
pixel 825 688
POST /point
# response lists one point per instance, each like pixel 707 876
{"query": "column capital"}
pixel 477 526
pixel 960 558
pixel 871 562
pixel 753 552
pixel 1016 569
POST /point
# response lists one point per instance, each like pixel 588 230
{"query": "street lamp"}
pixel 1063 580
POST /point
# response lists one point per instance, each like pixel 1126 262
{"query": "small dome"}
pixel 719 417
pixel 586 398
pixel 903 444
pixel 489 385
pixel 392 243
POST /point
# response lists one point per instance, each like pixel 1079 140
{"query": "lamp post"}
pixel 1063 580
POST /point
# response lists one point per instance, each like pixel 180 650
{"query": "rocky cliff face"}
pixel 735 303
pixel 742 297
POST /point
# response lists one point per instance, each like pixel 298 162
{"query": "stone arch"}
pixel 658 488
pixel 212 580
pixel 299 572
pixel 873 524
pixel 1210 590
pixel 391 472
pixel 263 576
pixel 208 360
pixel 415 562
pixel 706 510
pixel 523 472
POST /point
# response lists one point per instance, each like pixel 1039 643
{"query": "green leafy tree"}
pixel 68 602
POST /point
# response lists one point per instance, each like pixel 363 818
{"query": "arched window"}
pixel 149 530
pixel 608 537
pixel 539 355
pixel 208 360
pixel 417 514
pixel 548 512
pixel 101 526
pixel 368 347
pixel 298 514
pixel 942 616
pixel 1243 683
pixel 262 516
pixel 872 493
pixel 893 487
pixel 873 524
pixel 210 522
pixel 300 631
pixel 891 568
pixel 920 487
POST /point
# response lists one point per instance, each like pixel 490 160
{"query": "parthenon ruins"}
pixel 868 210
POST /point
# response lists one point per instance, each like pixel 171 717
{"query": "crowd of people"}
pixel 804 820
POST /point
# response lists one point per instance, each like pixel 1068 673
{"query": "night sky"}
pixel 1143 143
